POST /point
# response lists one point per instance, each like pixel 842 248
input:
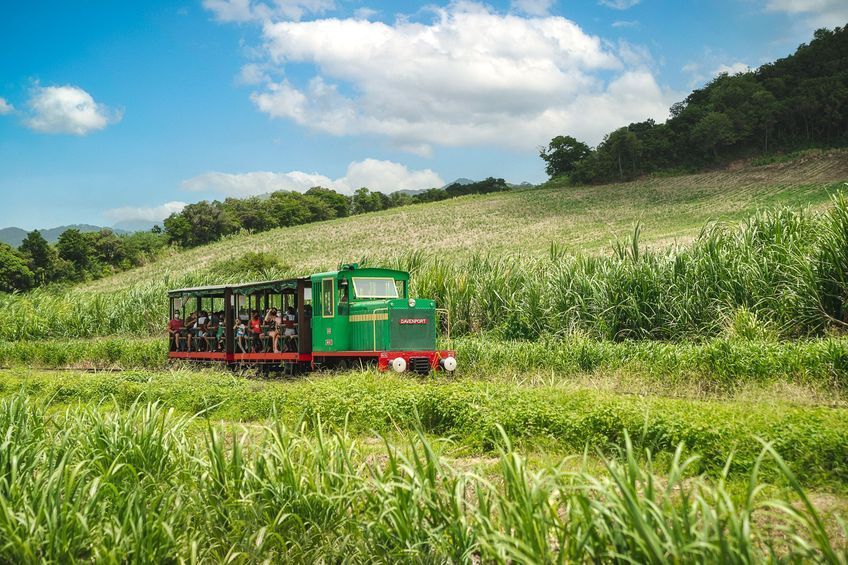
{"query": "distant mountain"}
pixel 15 236
pixel 461 180
pixel 12 236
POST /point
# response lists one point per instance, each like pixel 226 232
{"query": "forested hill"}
pixel 797 102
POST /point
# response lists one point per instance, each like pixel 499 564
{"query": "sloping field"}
pixel 671 209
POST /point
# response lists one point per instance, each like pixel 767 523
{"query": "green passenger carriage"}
pixel 334 319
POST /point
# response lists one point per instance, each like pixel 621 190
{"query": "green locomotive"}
pixel 334 319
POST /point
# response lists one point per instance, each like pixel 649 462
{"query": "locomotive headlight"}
pixel 412 303
pixel 399 364
pixel 448 364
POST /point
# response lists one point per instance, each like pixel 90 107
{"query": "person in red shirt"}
pixel 175 326
pixel 256 330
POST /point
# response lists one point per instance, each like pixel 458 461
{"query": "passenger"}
pixel 190 328
pixel 241 332
pixel 175 326
pixel 219 334
pixel 276 322
pixel 291 331
pixel 256 330
pixel 212 332
pixel 201 328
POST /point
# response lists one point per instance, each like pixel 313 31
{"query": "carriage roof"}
pixel 218 291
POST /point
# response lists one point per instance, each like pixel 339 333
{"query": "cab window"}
pixel 327 298
pixel 374 288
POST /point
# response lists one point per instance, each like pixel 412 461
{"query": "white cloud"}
pixel 5 107
pixel 619 4
pixel 385 176
pixel 532 7
pixel 731 69
pixel 817 13
pixel 252 73
pixel 249 10
pixel 148 214
pixel 67 109
pixel 471 76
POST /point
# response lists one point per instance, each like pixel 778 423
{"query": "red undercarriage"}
pixel 382 357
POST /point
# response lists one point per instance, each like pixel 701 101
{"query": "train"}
pixel 354 316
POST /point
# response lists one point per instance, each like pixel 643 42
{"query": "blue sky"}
pixel 120 111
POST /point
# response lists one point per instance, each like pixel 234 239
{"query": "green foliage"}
pixel 136 484
pixel 14 272
pixel 812 440
pixel 485 186
pixel 562 155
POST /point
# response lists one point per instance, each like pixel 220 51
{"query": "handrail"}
pixel 374 325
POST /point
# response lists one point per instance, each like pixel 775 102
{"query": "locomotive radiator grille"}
pixel 420 365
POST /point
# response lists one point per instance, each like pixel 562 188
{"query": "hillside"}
pixel 671 209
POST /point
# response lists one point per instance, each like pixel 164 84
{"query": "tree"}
pixel 431 195
pixel 197 224
pixel 41 258
pixel 338 202
pixel 714 130
pixel 14 272
pixel 78 250
pixel 366 201
pixel 562 155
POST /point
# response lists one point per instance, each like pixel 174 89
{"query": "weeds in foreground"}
pixel 106 484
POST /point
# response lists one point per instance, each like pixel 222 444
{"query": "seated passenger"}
pixel 189 325
pixel 241 332
pixel 201 328
pixel 211 333
pixel 175 326
pixel 219 336
pixel 276 322
pixel 256 330
pixel 291 331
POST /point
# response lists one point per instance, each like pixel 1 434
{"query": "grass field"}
pixel 619 396
pixel 90 470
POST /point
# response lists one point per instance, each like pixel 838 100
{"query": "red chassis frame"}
pixel 383 357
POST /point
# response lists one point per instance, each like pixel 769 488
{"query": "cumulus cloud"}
pixel 471 76
pixel 532 7
pixel 5 107
pixel 619 4
pixel 148 214
pixel 249 10
pixel 385 176
pixel 67 109
pixel 817 13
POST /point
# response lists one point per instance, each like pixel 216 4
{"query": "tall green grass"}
pixel 109 484
pixel 812 440
pixel 782 273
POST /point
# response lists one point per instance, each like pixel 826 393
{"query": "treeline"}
pixel 796 102
pixel 205 222
pixel 77 256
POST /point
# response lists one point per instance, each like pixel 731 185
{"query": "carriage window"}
pixel 400 288
pixel 327 298
pixel 375 288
